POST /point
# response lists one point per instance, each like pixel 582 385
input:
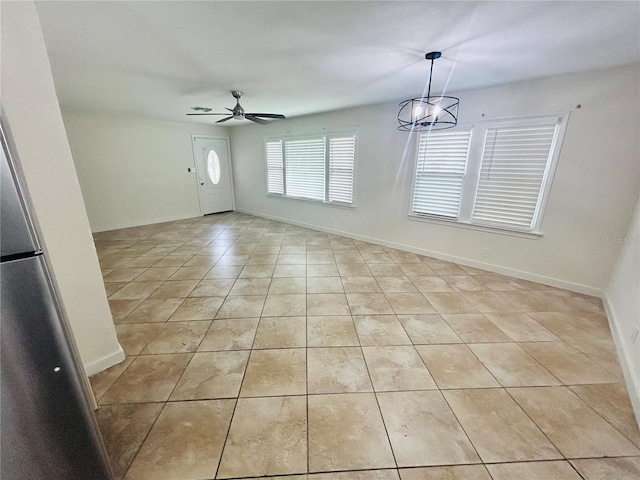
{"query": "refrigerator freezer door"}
pixel 15 231
pixel 48 430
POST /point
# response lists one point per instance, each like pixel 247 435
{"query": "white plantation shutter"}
pixel 342 151
pixel 514 164
pixel 305 168
pixel 441 166
pixel 275 177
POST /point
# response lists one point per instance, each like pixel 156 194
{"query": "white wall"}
pixel 134 171
pixel 622 299
pixel 31 106
pixel 593 196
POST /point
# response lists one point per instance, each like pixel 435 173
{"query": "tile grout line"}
pixel 237 399
pixel 564 457
pixel 375 395
pixel 583 401
pixel 164 404
pixel 306 352
pixel 420 356
pixel 475 449
pixel 233 414
pixel 588 405
pixel 116 379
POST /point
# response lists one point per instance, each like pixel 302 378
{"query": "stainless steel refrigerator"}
pixel 47 427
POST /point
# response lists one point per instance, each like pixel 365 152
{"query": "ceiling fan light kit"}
pixel 430 112
pixel 238 113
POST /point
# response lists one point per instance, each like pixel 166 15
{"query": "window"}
pixel 442 161
pixel 213 167
pixel 493 174
pixel 315 167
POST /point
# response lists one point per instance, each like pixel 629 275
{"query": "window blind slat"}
pixel 513 166
pixel 341 166
pixel 440 170
pixel 305 172
pixel 275 180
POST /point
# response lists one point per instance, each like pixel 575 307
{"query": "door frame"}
pixel 195 162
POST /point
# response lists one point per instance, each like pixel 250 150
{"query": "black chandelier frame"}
pixel 431 112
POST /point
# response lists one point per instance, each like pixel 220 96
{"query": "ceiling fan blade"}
pixel 225 119
pixel 256 119
pixel 228 109
pixel 191 114
pixel 267 115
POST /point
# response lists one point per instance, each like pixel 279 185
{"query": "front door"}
pixel 215 179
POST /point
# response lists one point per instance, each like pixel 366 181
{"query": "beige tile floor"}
pixel 256 348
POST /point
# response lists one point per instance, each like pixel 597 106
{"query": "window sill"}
pixel 470 226
pixel 314 202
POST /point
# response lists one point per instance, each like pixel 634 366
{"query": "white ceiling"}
pixel 158 59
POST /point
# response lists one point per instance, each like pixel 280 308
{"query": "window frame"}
pixel 326 135
pixel 477 139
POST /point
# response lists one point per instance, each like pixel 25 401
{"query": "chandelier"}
pixel 430 112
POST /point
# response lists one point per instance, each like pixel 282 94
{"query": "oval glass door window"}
pixel 213 167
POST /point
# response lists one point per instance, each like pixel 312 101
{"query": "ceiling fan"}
pixel 238 112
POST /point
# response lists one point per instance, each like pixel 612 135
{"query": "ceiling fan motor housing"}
pixel 238 111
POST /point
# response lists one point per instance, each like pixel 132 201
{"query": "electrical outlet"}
pixel 485 252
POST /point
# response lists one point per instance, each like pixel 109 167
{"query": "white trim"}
pixel 117 226
pixel 472 226
pixel 233 188
pixel 550 171
pixel 533 277
pixel 321 133
pixel 105 362
pixel 501 121
pixel 195 167
pixel 311 200
pixel 624 357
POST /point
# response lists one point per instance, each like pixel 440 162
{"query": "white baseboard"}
pixel 626 362
pixel 117 226
pixel 533 277
pixel 105 362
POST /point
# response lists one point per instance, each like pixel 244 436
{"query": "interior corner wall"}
pixel 622 301
pixel 591 201
pixel 31 106
pixel 134 171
